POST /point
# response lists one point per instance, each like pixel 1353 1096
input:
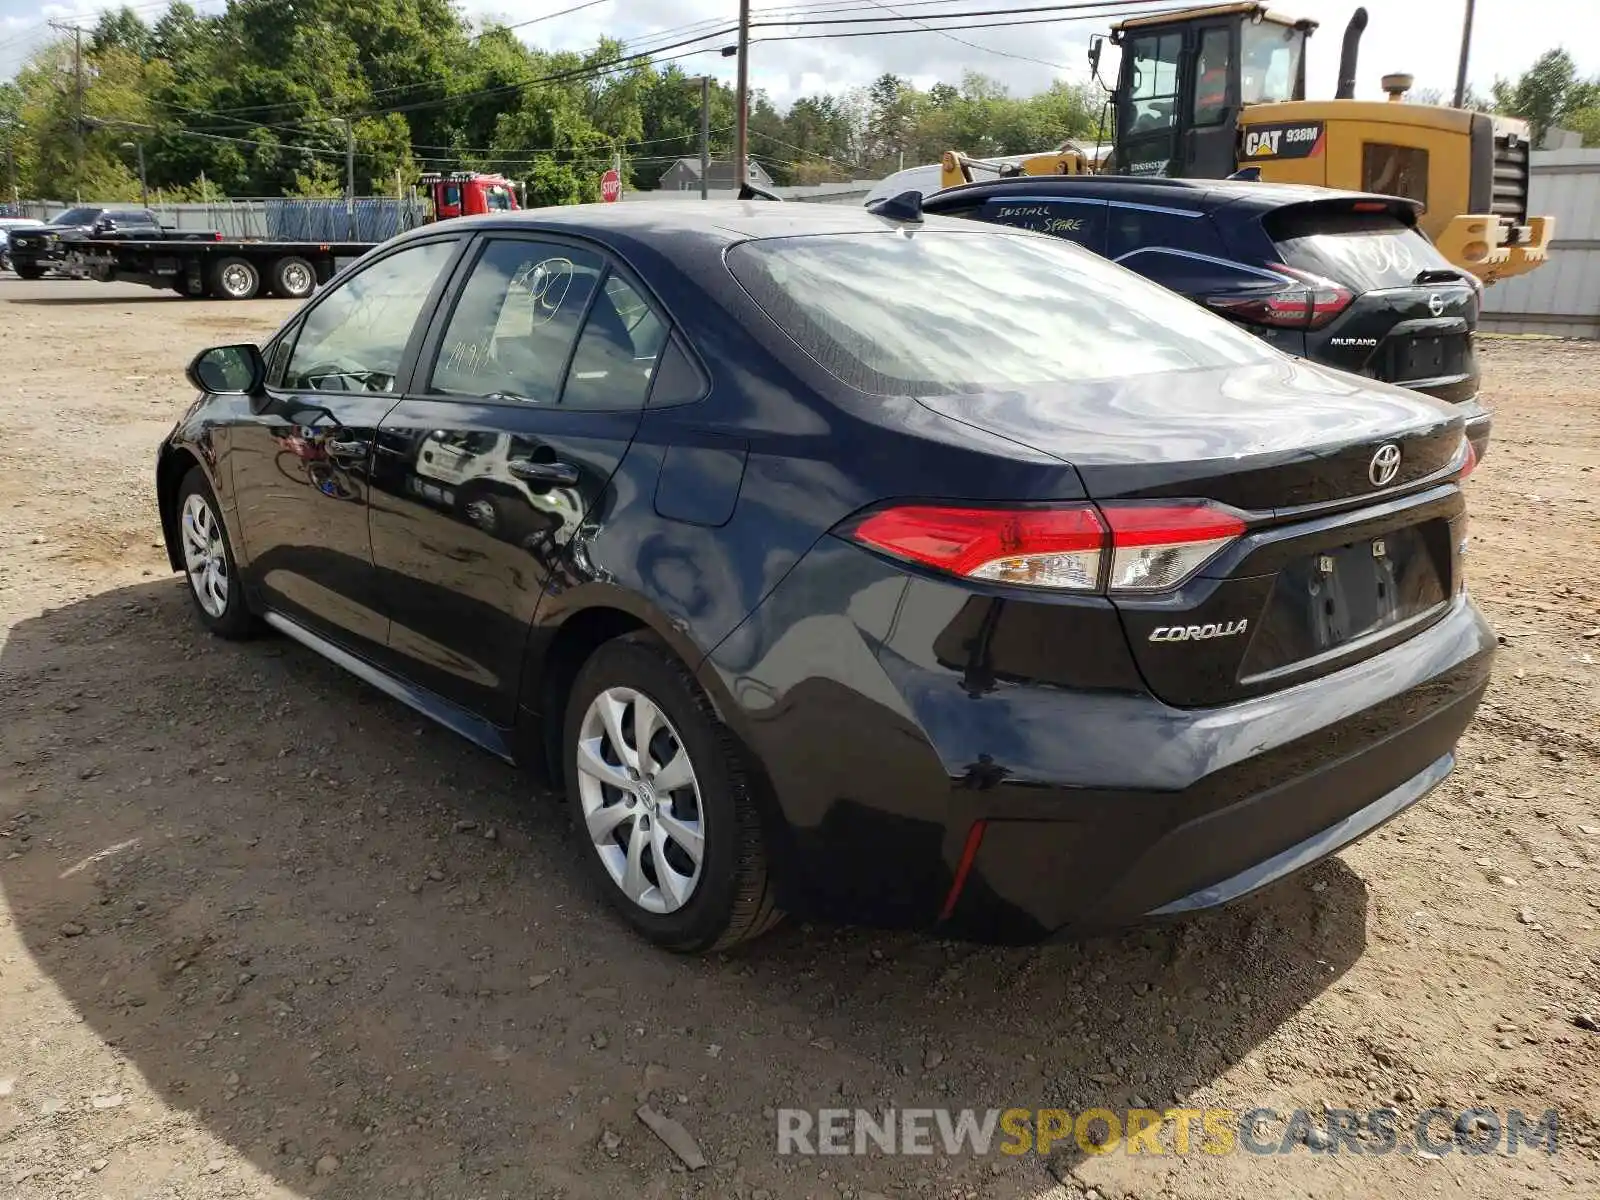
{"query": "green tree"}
pixel 1547 93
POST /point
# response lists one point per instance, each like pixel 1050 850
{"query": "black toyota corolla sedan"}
pixel 916 572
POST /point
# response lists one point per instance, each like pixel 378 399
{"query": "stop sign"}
pixel 611 187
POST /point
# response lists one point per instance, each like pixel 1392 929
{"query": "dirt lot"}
pixel 262 933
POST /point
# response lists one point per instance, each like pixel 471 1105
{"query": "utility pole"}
pixel 144 189
pixel 350 178
pixel 741 150
pixel 705 137
pixel 1466 51
pixel 77 105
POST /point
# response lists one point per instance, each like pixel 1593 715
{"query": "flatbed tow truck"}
pixel 217 267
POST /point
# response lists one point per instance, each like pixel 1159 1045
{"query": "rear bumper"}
pixel 1098 807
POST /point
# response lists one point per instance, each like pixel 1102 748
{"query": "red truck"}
pixel 210 265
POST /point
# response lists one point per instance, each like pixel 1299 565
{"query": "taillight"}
pixel 1306 301
pixel 1158 546
pixel 1030 547
pixel 1129 547
pixel 1472 460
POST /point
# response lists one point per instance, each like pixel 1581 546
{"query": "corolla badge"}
pixel 1199 633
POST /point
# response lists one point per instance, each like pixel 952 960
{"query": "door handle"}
pixel 558 473
pixel 355 448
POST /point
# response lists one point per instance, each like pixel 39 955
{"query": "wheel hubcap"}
pixel 640 800
pixel 237 280
pixel 297 279
pixel 204 555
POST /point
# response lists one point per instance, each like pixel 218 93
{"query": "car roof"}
pixel 1212 193
pixel 724 220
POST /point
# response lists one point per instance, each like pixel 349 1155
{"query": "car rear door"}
pixel 527 397
pixel 301 461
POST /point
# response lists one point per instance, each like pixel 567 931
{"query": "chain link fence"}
pixel 374 219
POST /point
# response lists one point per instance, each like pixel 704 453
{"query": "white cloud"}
pixel 1418 36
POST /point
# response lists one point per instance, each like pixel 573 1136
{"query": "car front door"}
pixel 525 401
pixel 301 457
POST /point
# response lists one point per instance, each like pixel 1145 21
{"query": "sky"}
pixel 1421 37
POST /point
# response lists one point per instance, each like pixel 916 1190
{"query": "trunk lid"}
pixel 1340 558
pixel 1268 438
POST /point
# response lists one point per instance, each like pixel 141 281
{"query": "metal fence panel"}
pixel 1563 296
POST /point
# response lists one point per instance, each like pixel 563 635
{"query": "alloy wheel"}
pixel 641 800
pixel 297 279
pixel 204 555
pixel 238 279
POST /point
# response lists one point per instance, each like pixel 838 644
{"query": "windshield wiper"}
pixel 1440 275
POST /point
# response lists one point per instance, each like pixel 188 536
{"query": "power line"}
pixel 971 45
pixel 551 16
pixel 857 33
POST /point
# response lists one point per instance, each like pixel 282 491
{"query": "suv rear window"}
pixel 1362 251
pixel 942 311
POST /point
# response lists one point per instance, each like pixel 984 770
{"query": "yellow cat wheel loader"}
pixel 1204 93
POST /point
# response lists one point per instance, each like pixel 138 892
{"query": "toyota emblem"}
pixel 1385 465
pixel 1436 304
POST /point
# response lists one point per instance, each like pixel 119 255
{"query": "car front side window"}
pixel 355 338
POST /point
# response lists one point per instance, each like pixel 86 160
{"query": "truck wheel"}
pixel 293 278
pixel 235 279
pixel 30 271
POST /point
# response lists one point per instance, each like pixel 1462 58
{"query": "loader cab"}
pixel 1186 76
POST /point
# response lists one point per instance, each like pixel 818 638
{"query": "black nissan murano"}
pixel 898 571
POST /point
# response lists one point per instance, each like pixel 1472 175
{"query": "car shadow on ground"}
pixel 325 928
pixel 154 297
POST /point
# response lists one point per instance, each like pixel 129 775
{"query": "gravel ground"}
pixel 263 933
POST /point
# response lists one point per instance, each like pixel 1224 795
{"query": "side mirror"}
pixel 229 370
pixel 105 225
pixel 1094 54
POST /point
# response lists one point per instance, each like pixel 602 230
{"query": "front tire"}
pixel 235 279
pixel 669 828
pixel 29 271
pixel 208 562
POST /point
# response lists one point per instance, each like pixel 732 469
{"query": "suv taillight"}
pixel 1306 301
pixel 1112 548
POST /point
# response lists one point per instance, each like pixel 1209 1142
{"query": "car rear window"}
pixel 1362 251
pixel 939 311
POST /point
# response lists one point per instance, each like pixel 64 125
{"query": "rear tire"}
pixel 293 278
pixel 29 271
pixel 235 279
pixel 214 583
pixel 701 792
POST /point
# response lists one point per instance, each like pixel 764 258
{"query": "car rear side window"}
pixel 617 352
pixel 517 320
pixel 1131 227
pixel 942 311
pixel 1361 251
